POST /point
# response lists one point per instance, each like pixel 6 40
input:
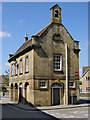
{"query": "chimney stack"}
pixel 26 38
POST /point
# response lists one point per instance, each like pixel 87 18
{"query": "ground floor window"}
pixel 87 88
pixel 42 84
pixel 71 84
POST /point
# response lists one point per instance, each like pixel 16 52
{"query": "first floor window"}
pixel 71 84
pixel 87 78
pixel 42 84
pixel 12 70
pixel 57 62
pixel 87 88
pixel 16 68
pixel 27 64
pixel 21 66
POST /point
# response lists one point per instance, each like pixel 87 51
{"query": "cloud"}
pixel 80 70
pixel 7 64
pixel 4 34
pixel 21 21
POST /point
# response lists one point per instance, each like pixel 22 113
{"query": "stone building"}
pixel 85 87
pixel 44 70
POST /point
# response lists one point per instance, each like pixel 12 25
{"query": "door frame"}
pixel 59 86
pixel 59 94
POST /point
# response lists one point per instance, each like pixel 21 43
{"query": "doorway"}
pixel 56 96
pixel 20 93
pixel 56 93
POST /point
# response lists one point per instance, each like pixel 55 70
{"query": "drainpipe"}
pixel 66 76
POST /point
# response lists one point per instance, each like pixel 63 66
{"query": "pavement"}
pixel 5 100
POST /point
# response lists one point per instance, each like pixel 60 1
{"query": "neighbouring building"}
pixel 45 69
pixel 85 87
pixel 3 81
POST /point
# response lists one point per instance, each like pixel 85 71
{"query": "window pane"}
pixel 57 62
pixel 42 84
pixel 16 69
pixel 12 69
pixel 27 64
pixel 20 66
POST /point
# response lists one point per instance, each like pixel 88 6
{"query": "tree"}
pixel 6 78
pixel 80 82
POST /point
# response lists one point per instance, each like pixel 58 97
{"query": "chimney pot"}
pixel 26 38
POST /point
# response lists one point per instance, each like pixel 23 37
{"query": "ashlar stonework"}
pixel 45 82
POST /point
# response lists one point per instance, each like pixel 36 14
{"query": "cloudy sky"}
pixel 19 18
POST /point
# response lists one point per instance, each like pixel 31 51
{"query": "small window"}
pixel 12 69
pixel 87 78
pixel 21 66
pixel 27 65
pixel 56 13
pixel 87 88
pixel 57 62
pixel 71 84
pixel 42 84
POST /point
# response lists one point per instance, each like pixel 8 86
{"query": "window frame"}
pixel 21 66
pixel 12 69
pixel 41 84
pixel 87 78
pixel 16 69
pixel 57 63
pixel 26 64
pixel 88 89
pixel 73 84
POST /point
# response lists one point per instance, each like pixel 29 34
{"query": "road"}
pixel 81 112
pixel 9 111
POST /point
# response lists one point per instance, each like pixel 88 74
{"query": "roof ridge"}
pixel 85 71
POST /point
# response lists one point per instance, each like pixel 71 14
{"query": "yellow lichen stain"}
pixel 58 28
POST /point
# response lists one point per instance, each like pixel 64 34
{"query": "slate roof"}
pixel 29 42
pixel 85 70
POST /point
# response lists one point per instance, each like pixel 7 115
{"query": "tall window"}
pixel 57 62
pixel 27 65
pixel 16 68
pixel 12 69
pixel 21 66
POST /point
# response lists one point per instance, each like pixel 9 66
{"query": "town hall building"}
pixel 44 71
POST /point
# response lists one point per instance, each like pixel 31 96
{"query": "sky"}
pixel 19 18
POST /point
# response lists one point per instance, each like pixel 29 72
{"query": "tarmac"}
pixel 5 100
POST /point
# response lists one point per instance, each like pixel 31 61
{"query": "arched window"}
pixel 56 13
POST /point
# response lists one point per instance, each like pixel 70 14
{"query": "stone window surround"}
pixel 57 70
pixel 87 88
pixel 12 69
pixel 20 71
pixel 41 83
pixel 73 84
pixel 88 78
pixel 26 71
pixel 16 69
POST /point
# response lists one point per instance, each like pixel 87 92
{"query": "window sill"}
pixel 72 87
pixel 43 88
pixel 20 73
pixel 58 71
pixel 26 72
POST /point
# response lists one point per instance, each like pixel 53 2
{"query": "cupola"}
pixel 56 14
